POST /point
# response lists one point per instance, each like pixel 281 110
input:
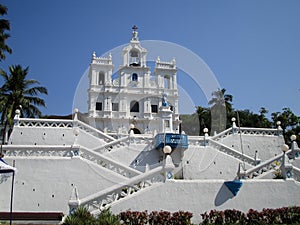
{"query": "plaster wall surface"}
pixel 52 136
pixel 46 184
pixel 41 136
pixel 209 163
pixel 199 196
pixel 266 146
pixel 197 162
pixel 138 156
pixel 89 141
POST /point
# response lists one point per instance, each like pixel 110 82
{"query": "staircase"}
pixel 123 190
pixel 108 163
pixel 232 152
pixel 262 168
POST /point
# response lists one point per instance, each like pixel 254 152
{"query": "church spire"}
pixel 134 33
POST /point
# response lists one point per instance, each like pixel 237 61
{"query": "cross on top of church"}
pixel 134 33
pixel 134 28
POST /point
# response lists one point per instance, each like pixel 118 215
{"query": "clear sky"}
pixel 252 47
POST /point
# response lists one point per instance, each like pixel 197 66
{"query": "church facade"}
pixel 133 97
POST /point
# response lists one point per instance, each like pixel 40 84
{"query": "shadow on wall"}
pixel 148 158
pixel 223 195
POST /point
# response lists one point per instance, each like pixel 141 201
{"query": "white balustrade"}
pixel 268 165
pixel 259 131
pixel 222 134
pixel 108 163
pixel 248 131
pixel 33 122
pixel 232 152
pixel 165 65
pixel 111 145
pixel 38 150
pixel 93 131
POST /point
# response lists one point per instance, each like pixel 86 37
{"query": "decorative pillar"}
pixel 205 130
pixel 75 147
pixel 74 201
pixel 234 127
pixel 131 133
pixel 286 167
pixel 279 129
pixel 294 147
pixel 75 114
pixel 17 117
pixel 168 164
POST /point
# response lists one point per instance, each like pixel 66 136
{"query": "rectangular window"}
pixel 154 108
pixel 115 106
pixel 99 106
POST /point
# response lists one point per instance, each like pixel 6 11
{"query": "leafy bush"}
pixel 159 218
pixel 285 215
pixel 134 217
pixel 181 217
pixel 107 218
pixel 156 218
pixel 82 216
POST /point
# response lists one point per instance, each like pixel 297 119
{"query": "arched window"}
pixel 134 77
pixel 101 78
pixel 134 53
pixel 134 57
pixel 134 106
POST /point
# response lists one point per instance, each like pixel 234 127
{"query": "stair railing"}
pixel 111 195
pixel 268 165
pixel 232 152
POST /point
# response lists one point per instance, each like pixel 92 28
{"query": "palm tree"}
pixel 221 104
pixel 203 117
pixel 221 99
pixel 4 26
pixel 17 92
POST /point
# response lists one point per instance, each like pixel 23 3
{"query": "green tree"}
pixel 250 119
pixel 17 92
pixel 263 120
pixel 289 122
pixel 203 118
pixel 4 27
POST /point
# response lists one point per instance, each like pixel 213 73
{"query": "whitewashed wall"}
pixel 200 196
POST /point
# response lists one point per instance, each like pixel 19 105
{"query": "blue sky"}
pixel 252 47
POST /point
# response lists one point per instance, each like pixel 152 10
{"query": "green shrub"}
pixel 285 215
pixel 82 216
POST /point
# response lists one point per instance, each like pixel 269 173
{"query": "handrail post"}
pixel 74 201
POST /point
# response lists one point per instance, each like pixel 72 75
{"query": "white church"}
pixel 129 154
pixel 149 102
